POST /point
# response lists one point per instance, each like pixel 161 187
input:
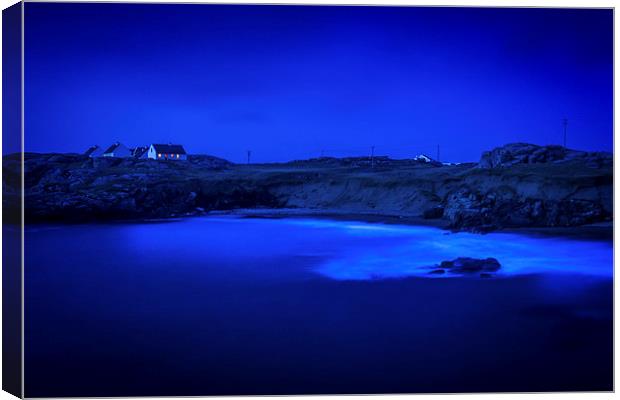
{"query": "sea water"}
pixel 224 305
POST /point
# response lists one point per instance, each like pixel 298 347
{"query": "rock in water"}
pixel 471 265
pixel 438 271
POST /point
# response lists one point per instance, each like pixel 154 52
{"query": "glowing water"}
pixel 212 306
pixel 423 247
pixel 358 251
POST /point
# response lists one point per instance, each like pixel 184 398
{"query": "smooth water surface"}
pixel 223 305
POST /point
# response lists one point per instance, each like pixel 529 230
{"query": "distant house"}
pixel 94 151
pixel 140 152
pixel 117 150
pixel 167 152
pixel 423 158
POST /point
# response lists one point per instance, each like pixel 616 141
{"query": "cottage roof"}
pixel 139 151
pixel 169 148
pixel 112 148
pixel 90 150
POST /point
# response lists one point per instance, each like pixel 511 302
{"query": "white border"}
pixel 480 3
pixel 23 176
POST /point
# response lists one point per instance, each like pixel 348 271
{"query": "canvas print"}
pixel 207 199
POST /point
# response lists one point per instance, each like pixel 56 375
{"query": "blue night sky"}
pixel 290 81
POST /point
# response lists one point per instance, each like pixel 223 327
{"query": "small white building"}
pixel 423 158
pixel 117 150
pixel 167 152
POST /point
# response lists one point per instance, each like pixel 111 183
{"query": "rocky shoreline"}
pixel 516 186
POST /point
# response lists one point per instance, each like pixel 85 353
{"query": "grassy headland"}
pixel 498 192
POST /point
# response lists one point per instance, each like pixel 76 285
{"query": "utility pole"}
pixel 438 153
pixel 565 123
pixel 372 157
pixel 249 155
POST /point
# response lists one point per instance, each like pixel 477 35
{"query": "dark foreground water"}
pixel 209 306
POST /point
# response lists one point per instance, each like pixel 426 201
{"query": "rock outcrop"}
pixel 525 153
pixel 70 188
pixel 484 212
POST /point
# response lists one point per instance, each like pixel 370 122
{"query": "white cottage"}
pixel 167 152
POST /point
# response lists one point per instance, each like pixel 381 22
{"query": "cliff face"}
pixel 478 197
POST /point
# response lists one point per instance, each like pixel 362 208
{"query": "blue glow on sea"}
pixel 236 306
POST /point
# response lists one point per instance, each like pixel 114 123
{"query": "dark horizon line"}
pixel 351 155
